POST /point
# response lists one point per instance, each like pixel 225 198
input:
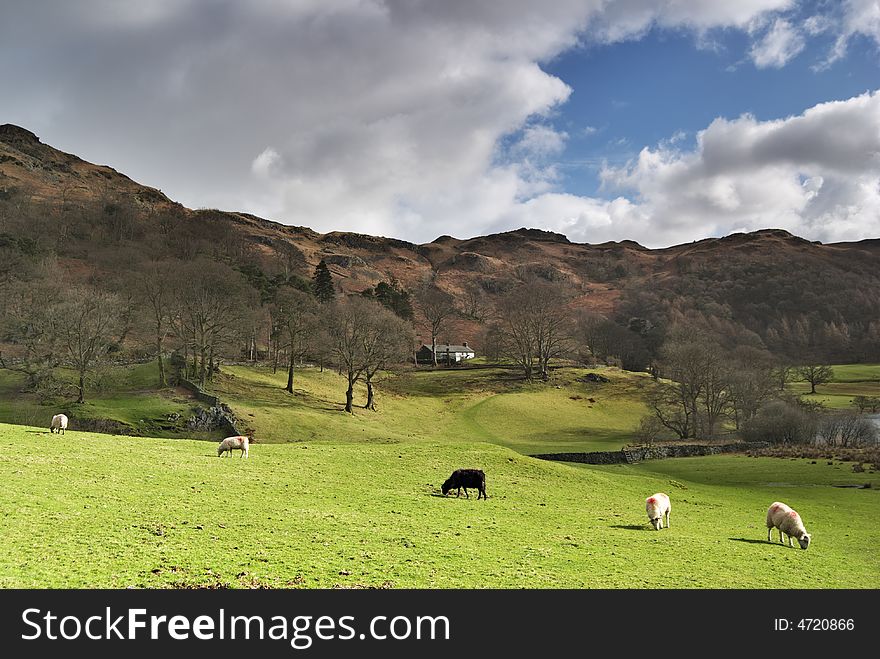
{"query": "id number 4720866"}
pixel 814 624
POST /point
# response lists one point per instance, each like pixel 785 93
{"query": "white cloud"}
pixel 541 142
pixel 781 43
pixel 816 174
pixel 383 116
pixel 852 18
pixel 818 24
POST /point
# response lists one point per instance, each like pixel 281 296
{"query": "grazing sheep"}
pixel 237 442
pixel 59 424
pixel 656 506
pixel 465 478
pixel 787 521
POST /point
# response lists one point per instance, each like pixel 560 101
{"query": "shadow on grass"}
pixel 632 527
pixel 752 541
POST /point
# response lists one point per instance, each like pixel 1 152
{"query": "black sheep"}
pixel 465 478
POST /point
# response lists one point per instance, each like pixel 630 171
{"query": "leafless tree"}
pixel 782 375
pixel 345 332
pixel 536 323
pixel 780 422
pixel 30 323
pixel 752 382
pixel 296 315
pixel 696 393
pixel 89 323
pixel 212 302
pixel 155 287
pixel 387 340
pixel 437 309
pixel 363 337
pixel 846 430
pixel 472 303
pixel 815 374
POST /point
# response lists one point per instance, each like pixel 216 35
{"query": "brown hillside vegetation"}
pixel 767 288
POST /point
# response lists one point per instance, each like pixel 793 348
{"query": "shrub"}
pixel 847 430
pixel 779 422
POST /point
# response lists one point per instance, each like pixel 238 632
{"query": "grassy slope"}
pixel 94 510
pixel 124 394
pixel 490 405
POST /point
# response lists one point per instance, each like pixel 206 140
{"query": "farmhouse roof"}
pixel 444 347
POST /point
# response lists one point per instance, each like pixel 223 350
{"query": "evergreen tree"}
pixel 322 283
pixel 391 296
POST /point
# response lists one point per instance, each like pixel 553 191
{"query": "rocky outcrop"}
pixel 213 418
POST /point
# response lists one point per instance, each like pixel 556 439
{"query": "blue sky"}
pixel 661 121
pixel 639 92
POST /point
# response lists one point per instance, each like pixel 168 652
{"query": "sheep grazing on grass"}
pixel 658 505
pixel 785 519
pixel 465 478
pixel 59 424
pixel 237 442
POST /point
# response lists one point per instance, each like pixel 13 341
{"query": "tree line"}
pixel 202 291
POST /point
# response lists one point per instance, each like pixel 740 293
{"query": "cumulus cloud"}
pixel 383 116
pixel 816 174
pixel 781 43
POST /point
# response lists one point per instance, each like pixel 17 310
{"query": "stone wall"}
pixel 632 455
pixel 219 415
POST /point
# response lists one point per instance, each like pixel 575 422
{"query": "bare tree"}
pixel 696 395
pixel 592 334
pixel 782 375
pixel 847 430
pixel 155 287
pixel 90 325
pixel 346 331
pixel 492 342
pixel 212 302
pixel 536 324
pixel 649 430
pixel 866 403
pixel 387 340
pixel 30 323
pixel 437 308
pixel 752 382
pixel 472 303
pixel 815 374
pixel 296 314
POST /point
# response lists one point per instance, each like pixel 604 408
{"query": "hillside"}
pixel 487 405
pixel 786 293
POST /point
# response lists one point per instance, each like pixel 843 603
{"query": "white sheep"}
pixel 59 423
pixel 237 442
pixel 787 521
pixel 656 506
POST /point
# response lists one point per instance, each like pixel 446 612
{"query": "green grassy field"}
pixel 88 510
pixel 488 405
pixel 849 380
pixel 330 499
